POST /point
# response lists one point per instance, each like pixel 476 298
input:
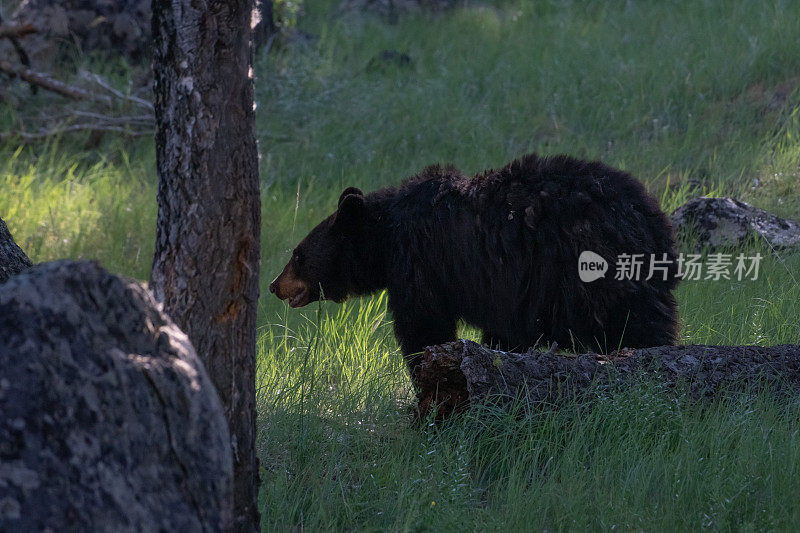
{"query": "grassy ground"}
pixel 693 97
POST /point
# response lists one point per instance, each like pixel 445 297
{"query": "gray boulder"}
pixel 108 421
pixel 715 222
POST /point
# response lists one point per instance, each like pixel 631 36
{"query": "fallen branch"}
pixel 131 125
pixel 147 120
pixel 48 83
pixel 96 79
pixel 456 375
pixel 23 56
pixel 74 128
pixel 40 79
pixel 16 30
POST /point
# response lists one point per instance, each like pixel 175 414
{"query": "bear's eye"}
pixel 298 259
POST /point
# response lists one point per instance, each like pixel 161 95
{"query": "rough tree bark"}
pixel 458 374
pixel 12 259
pixel 206 261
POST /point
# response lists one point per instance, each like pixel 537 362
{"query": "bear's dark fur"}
pixel 499 251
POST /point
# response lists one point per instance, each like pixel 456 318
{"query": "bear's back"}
pixel 537 195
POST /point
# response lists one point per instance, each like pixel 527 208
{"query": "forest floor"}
pixel 692 97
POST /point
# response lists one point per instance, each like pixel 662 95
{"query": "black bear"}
pixel 501 251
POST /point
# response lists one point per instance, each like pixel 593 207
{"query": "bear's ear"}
pixel 347 192
pixel 351 211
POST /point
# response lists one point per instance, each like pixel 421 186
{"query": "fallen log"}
pixel 456 375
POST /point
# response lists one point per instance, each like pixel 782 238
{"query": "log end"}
pixel 440 383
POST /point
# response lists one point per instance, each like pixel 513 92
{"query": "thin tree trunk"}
pixel 206 263
pixel 458 374
pixel 264 23
pixel 12 259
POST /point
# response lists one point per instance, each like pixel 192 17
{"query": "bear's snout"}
pixel 288 287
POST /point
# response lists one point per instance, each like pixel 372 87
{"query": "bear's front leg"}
pixel 415 331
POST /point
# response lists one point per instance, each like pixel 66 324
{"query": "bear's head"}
pixel 320 265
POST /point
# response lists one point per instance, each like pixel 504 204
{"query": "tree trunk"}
pixel 458 374
pixel 264 23
pixel 206 261
pixel 12 259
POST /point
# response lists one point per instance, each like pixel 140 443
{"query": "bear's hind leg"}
pixel 414 334
pixel 495 341
pixel 644 320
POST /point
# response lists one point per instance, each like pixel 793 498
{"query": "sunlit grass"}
pixel 59 203
pixel 691 97
pixel 338 449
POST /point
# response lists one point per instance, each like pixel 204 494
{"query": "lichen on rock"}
pixel 108 421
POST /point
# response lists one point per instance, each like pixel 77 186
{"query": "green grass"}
pixel 693 97
pixel 633 460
